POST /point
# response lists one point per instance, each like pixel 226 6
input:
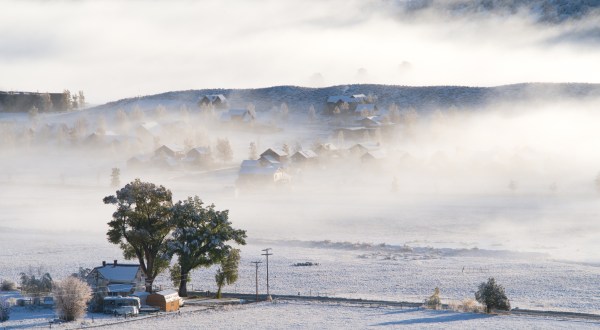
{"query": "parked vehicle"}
pixel 122 305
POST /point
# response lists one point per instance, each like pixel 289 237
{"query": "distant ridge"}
pixel 423 98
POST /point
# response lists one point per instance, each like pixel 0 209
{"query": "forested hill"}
pixel 420 98
pixel 541 11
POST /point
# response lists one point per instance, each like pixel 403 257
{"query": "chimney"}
pixel 115 263
pixel 103 263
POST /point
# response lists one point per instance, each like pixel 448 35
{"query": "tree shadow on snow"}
pixel 402 311
pixel 443 317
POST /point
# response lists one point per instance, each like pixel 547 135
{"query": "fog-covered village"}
pixel 361 200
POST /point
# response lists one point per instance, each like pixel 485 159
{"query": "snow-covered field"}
pixel 285 314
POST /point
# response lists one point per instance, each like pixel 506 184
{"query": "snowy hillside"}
pixel 421 98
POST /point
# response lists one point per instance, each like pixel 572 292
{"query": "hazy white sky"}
pixel 116 49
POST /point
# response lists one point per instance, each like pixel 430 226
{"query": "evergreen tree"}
pixel 492 296
pixel 228 272
pixel 200 237
pixel 141 225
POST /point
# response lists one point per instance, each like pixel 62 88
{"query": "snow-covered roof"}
pixel 175 148
pixel 366 146
pixel 306 154
pixel 375 154
pixel 121 273
pixel 338 98
pixel 197 152
pixel 370 121
pixel 328 146
pixel 254 167
pixel 170 295
pixel 200 150
pixel 151 127
pixel 277 151
pixel 345 98
pixel 214 97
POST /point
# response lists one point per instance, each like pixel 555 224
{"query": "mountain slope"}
pixel 420 98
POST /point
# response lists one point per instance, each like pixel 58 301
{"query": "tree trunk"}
pixel 149 282
pixel 219 292
pixel 183 284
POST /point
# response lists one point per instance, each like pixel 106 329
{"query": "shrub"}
pixel 492 296
pixel 468 305
pixel 434 301
pixel 71 296
pixel 4 310
pixel 8 285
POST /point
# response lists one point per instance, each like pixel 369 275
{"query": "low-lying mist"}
pixel 511 176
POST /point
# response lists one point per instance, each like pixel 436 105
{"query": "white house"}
pixel 115 279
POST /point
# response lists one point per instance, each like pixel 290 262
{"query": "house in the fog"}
pixel 110 139
pixel 148 131
pixel 274 154
pixel 373 156
pixel 201 156
pixel 360 149
pixel 370 122
pixel 170 150
pixel 304 157
pixel 139 162
pixel 115 279
pixel 353 133
pixel 218 101
pixel 327 150
pixel 255 172
pixel 237 116
pixel 345 103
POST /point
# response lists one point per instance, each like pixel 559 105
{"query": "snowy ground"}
pixel 304 315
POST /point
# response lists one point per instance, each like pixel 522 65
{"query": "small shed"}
pixel 166 300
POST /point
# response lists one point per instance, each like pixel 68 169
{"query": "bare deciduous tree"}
pixel 71 296
pixel 224 151
pixel 253 151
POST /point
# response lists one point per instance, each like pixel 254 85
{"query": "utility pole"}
pixel 267 254
pixel 256 264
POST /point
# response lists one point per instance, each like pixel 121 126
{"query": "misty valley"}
pixel 354 184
